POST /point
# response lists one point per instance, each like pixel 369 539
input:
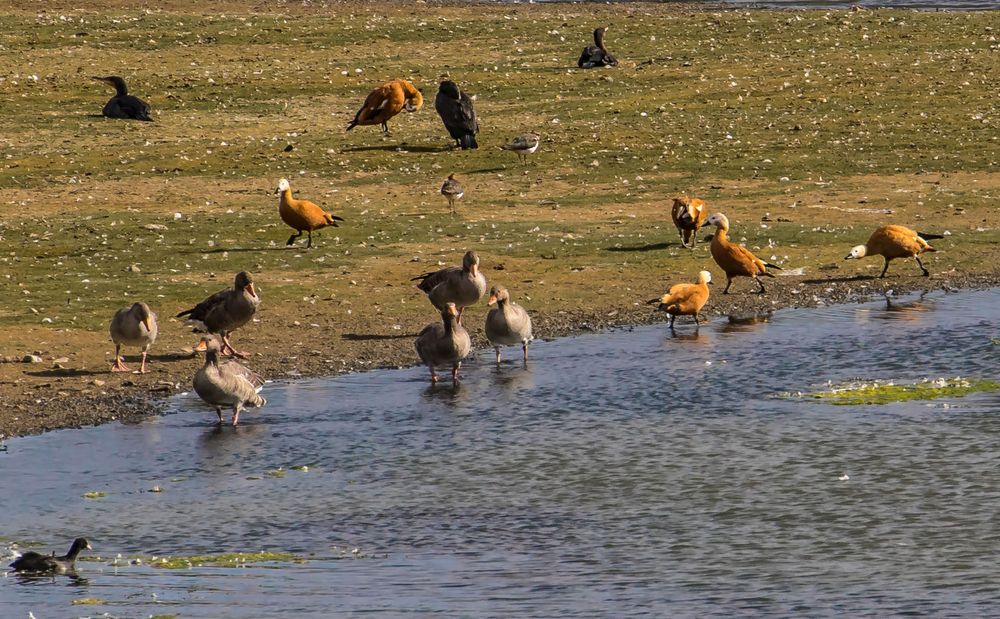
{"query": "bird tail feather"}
pixel 469 141
pixel 928 237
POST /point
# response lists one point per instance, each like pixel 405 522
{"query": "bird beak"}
pixel 145 323
pixel 493 299
pixel 848 257
pixel 474 269
pixel 705 225
pixel 253 291
pixel 711 283
pixel 89 547
pixel 662 307
pixel 277 190
pixel 202 346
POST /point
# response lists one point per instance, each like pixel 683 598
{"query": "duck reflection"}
pixel 742 323
pixel 514 376
pixel 451 394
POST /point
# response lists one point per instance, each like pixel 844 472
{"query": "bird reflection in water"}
pixel 448 393
pixel 741 323
pixel 514 376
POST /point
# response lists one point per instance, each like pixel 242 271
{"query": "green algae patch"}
pixel 229 559
pixel 89 602
pixel 96 494
pixel 858 394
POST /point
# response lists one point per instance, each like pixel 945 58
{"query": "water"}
pixel 622 474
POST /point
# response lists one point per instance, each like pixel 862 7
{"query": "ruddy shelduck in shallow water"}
pixel 385 102
pixel 685 299
pixel 895 242
pixel 734 259
pixel 302 215
pixel 688 214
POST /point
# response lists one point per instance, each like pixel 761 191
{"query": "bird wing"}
pixel 432 278
pixel 200 311
pixel 458 115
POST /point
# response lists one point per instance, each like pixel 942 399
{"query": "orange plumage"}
pixel 892 242
pixel 688 214
pixel 302 215
pixel 685 299
pixel 733 258
pixel 385 102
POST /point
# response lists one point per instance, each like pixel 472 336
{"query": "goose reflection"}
pixel 514 376
pixel 451 394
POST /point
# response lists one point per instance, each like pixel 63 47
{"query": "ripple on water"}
pixel 630 473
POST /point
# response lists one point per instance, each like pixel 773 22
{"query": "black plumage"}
pixel 456 112
pixel 597 55
pixel 33 562
pixel 124 105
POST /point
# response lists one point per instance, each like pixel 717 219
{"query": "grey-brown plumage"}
pixel 463 285
pixel 508 324
pixel 524 145
pixel 597 55
pixel 444 343
pixel 226 383
pixel 452 190
pixel 133 326
pixel 124 105
pixel 226 310
pixel 457 113
pixel 36 563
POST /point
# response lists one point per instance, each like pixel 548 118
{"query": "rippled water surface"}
pixel 622 474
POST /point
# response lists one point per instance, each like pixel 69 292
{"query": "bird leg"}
pixel 218 411
pixel 434 376
pixel 454 373
pixel 921 265
pixel 497 349
pixel 236 414
pixel 761 284
pixel 524 347
pixel 309 242
pixel 385 128
pixel 729 281
pixel 292 238
pixel 672 317
pixel 142 366
pixel 227 349
pixel 119 365
pixel 886 268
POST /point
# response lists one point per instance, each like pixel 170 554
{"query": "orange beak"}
pixel 493 299
pixel 145 323
pixel 474 269
pixel 253 291
pixel 202 346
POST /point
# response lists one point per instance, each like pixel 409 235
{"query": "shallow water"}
pixel 621 474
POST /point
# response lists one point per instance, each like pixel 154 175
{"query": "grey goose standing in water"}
pixel 124 105
pixel 226 383
pixel 508 324
pixel 133 326
pixel 226 310
pixel 597 55
pixel 444 343
pixel 456 112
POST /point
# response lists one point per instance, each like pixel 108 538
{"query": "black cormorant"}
pixel 456 111
pixel 124 105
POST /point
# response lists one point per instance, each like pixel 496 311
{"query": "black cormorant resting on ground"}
pixel 456 111
pixel 35 563
pixel 597 55
pixel 124 105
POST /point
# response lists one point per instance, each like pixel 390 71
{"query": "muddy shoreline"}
pixel 137 397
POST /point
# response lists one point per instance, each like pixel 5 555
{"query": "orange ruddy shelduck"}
pixel 685 299
pixel 895 242
pixel 735 259
pixel 688 214
pixel 385 102
pixel 302 215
